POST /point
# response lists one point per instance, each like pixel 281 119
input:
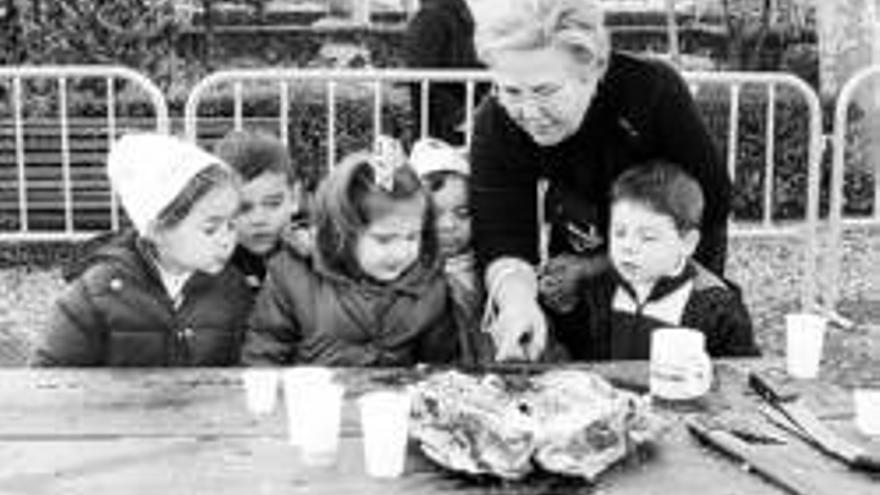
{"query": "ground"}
pixel 766 269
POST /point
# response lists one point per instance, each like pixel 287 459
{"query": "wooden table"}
pixel 188 431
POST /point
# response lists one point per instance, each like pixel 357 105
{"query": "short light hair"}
pixel 576 26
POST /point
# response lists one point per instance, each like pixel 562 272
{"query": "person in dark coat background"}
pixel 440 36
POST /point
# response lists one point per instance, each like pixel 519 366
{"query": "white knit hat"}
pixel 433 155
pixel 148 171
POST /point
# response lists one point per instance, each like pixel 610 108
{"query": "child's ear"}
pixel 691 239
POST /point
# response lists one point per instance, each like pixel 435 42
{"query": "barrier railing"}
pixel 56 123
pixel 282 92
pixel 854 145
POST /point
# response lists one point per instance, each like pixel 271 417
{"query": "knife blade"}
pixel 765 464
pixel 810 428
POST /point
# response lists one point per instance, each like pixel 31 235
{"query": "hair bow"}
pixel 388 155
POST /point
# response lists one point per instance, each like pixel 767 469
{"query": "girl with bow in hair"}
pixel 372 292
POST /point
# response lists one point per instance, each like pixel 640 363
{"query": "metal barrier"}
pixel 384 90
pixel 55 129
pixel 283 87
pixel 845 158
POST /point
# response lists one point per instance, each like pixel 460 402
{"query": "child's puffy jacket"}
pixel 116 312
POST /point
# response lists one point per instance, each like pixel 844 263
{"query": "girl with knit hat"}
pixel 161 294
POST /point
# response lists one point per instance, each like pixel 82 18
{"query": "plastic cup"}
pixel 680 368
pixel 385 427
pixel 261 389
pixel 867 406
pixel 804 334
pixel 313 405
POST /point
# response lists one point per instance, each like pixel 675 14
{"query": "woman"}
pixel 569 110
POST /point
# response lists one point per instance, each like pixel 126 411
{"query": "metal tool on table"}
pixel 789 411
pixel 763 463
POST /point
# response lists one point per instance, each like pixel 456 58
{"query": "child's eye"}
pixel 245 208
pixel 273 202
pixel 462 212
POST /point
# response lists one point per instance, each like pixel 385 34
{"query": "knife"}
pixel 765 464
pixel 809 427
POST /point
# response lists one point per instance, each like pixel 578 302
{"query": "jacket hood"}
pixel 119 247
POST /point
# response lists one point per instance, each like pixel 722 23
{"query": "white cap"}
pixel 148 171
pixel 433 155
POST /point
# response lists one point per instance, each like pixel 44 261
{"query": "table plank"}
pixel 187 431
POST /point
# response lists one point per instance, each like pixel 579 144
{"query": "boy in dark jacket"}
pixel 653 281
pixel 162 294
pixel 270 199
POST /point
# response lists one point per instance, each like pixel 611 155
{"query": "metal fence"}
pixel 56 124
pixel 338 111
pixel 854 196
pixel 767 124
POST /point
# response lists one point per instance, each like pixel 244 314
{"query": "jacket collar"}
pixel 663 287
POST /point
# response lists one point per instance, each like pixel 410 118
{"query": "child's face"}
pixel 644 244
pixel 453 221
pixel 205 238
pixel 267 204
pixel 390 244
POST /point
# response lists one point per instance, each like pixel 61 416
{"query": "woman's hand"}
pixel 519 331
pixel 516 321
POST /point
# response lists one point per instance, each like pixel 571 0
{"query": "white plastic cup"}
pixel 313 405
pixel 680 368
pixel 867 406
pixel 385 427
pixel 261 389
pixel 804 335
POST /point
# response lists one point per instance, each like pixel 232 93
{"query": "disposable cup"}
pixel 867 406
pixel 680 368
pixel 261 389
pixel 385 426
pixel 307 389
pixel 804 335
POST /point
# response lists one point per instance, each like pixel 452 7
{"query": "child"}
pixel 445 171
pixel 160 295
pixel 654 229
pixel 372 292
pixel 270 198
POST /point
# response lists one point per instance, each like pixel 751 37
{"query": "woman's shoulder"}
pixel 640 69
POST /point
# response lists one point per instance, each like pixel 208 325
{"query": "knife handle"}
pixel 770 389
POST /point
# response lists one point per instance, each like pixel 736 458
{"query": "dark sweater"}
pixel 610 324
pixel 642 110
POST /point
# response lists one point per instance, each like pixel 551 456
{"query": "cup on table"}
pixel 261 389
pixel 314 404
pixel 385 427
pixel 680 368
pixel 867 406
pixel 804 334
